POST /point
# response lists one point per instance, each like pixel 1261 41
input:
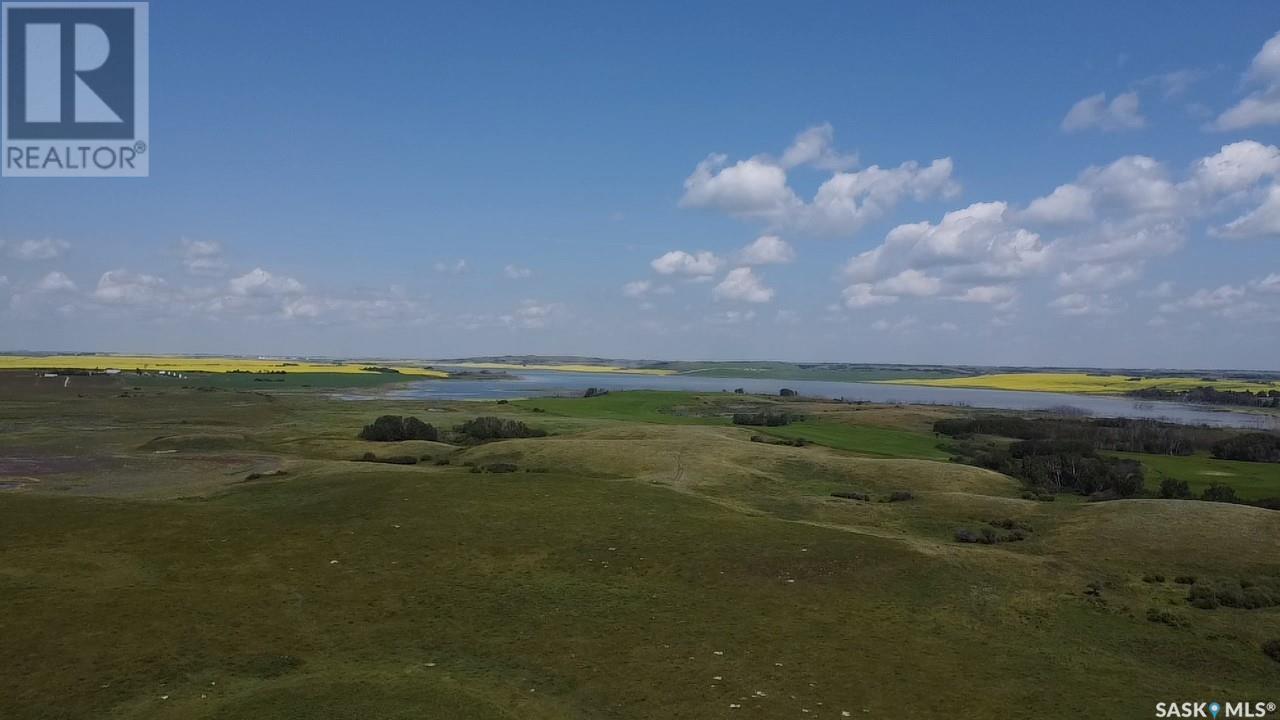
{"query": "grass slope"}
pixel 1251 481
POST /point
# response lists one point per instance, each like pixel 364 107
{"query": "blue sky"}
pixel 413 179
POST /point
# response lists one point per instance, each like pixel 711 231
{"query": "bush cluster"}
pixel 851 495
pixel 761 419
pixel 1243 594
pixel 989 534
pixel 1250 447
pixel 1271 649
pixel 393 428
pixel 1165 617
pixel 495 428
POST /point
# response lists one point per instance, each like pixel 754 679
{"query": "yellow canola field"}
pixel 1084 383
pixel 177 363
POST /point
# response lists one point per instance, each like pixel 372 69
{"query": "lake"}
pixel 541 383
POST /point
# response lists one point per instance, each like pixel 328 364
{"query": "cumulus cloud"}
pixel 757 188
pixel 679 262
pixel 743 285
pixel 121 287
pixel 533 314
pixel 260 283
pixel 1236 167
pixel 1262 105
pixel 1098 276
pixel 55 282
pixel 203 257
pixel 977 243
pixel 1095 113
pixel 987 295
pixel 636 288
pixel 516 272
pixel 1262 221
pixel 1269 284
pixel 816 147
pixel 767 250
pixel 1077 304
pixel 863 295
pixel 910 282
pixel 32 250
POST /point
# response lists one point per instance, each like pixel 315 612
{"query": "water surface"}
pixel 542 383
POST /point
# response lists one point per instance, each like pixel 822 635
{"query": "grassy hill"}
pixel 645 560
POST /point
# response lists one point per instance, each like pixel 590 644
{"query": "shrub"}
pixel 494 428
pixel 594 392
pixel 1165 617
pixel 1241 594
pixel 393 428
pixel 442 461
pixel 850 495
pixel 761 419
pixel 965 535
pixel 1010 524
pixel 787 392
pixel 1153 578
pixel 1219 492
pixel 500 467
pixel 368 457
pixel 1185 579
pixel 899 496
pixel 399 460
pixel 1172 489
pixel 1271 649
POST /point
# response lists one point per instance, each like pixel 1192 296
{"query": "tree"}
pixel 1172 489
pixel 1219 492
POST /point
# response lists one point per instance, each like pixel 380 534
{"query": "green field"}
pixel 1252 481
pixel 646 560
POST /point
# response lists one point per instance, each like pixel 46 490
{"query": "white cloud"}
pixel 533 315
pixel 636 288
pixel 1236 167
pixel 55 282
pixel 1067 203
pixel 987 294
pixel 1077 304
pixel 516 272
pixel 1098 276
pixel 767 250
pixel 1269 284
pixel 977 242
pixel 1095 113
pixel 1205 299
pixel 742 284
pixel 1262 106
pixel 31 250
pixel 679 262
pixel 260 283
pixel 451 267
pixel 1162 290
pixel 121 287
pixel 203 257
pixel 816 147
pixel 863 295
pixel 1174 84
pixel 1262 221
pixel 757 189
pixel 910 282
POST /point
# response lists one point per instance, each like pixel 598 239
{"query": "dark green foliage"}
pixel 398 460
pixel 1153 578
pixel 1185 579
pixel 594 392
pixel 495 428
pixel 1116 434
pixel 1250 447
pixel 1049 467
pixel 899 496
pixel 500 467
pixel 368 457
pixel 1165 617
pixel 1219 492
pixel 990 535
pixel 850 495
pixel 1243 594
pixel 787 392
pixel 1172 489
pixel 1271 649
pixel 393 428
pixel 761 419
